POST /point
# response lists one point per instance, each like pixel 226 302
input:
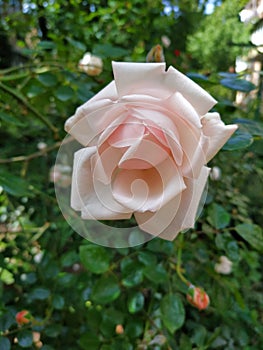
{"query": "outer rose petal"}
pixel 177 215
pixel 152 79
pixel 217 131
pixel 94 203
pixel 198 97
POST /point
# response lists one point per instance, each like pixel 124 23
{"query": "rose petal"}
pixel 93 198
pixel 196 96
pixel 181 108
pixel 144 154
pixel 217 132
pixel 125 134
pixel 88 127
pixel 145 78
pixel 150 189
pixel 178 214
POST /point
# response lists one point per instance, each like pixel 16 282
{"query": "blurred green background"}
pixel 84 296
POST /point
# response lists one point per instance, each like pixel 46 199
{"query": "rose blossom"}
pixel 147 137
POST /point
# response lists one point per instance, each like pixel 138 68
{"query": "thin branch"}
pixel 29 106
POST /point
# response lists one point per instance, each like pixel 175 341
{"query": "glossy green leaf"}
pixel 95 258
pixel 14 185
pixel 147 258
pixel 241 139
pixel 199 335
pixel 238 84
pixel 158 245
pixel 58 302
pixel 48 79
pixel 34 89
pixel 25 338
pixel 134 328
pixel 218 217
pixel 253 127
pixel 251 233
pixel 135 302
pixel 196 76
pixel 4 343
pixel 132 272
pixel 172 312
pixel 39 294
pixel 105 290
pixel 64 93
pixel 156 274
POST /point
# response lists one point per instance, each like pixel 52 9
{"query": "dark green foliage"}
pixel 78 293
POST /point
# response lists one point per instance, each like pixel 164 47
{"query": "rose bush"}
pixel 147 138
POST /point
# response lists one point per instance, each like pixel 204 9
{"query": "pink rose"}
pixel 147 138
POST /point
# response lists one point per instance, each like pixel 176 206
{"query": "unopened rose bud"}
pixel 224 266
pixel 197 297
pixel 119 329
pixel 155 54
pixel 23 317
pixel 90 64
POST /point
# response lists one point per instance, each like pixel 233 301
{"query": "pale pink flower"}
pixel 147 138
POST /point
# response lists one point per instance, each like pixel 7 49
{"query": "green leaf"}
pixel 136 238
pixel 251 126
pixel 34 89
pixel 135 302
pixel 241 139
pixel 8 118
pixel 39 294
pixel 238 84
pixel 46 45
pixel 6 276
pixel 95 258
pixel 77 44
pixel 196 76
pixel 172 311
pixel 25 339
pixel 6 321
pixel 147 258
pixel 64 93
pixel 107 50
pixel 158 245
pixel 218 217
pixel 156 273
pixel 89 341
pixel 48 79
pixel 53 331
pixel 132 272
pixel 199 335
pixel 251 233
pixel 58 302
pixel 134 328
pixel 4 343
pixel 14 185
pixel 105 290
